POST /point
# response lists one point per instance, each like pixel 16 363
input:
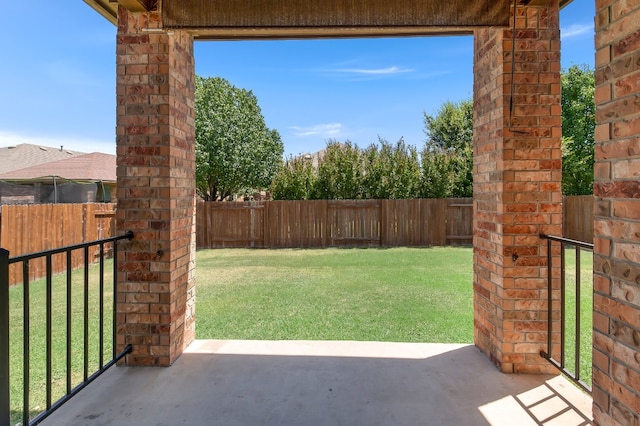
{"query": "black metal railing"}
pixel 67 317
pixel 566 245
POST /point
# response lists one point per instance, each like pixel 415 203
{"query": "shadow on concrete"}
pixel 325 383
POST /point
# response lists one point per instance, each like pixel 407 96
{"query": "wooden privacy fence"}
pixel 31 228
pixel 578 218
pixel 326 223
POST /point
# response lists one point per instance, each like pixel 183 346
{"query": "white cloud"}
pixel 358 73
pixel 375 71
pixel 326 130
pixel 368 74
pixel 72 143
pixel 576 30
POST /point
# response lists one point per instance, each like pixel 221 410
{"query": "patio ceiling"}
pixel 237 19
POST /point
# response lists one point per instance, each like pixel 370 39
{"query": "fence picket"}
pixel 578 218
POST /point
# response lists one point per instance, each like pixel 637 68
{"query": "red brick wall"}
pixel 616 373
pixel 156 188
pixel 517 196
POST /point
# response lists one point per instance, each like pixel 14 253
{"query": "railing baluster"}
pixel 26 343
pixel 563 297
pixel 549 300
pixel 101 315
pixel 69 329
pixel 5 405
pixel 49 326
pixel 115 300
pixel 578 283
pixel 86 314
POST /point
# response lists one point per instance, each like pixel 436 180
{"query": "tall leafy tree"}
pixel 447 159
pixel 235 150
pixel 461 166
pixel 578 129
pixel 451 128
pixel 391 171
pixel 436 174
pixel 339 172
pixel 295 180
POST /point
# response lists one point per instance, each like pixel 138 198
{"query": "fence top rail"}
pixel 128 235
pixel 567 241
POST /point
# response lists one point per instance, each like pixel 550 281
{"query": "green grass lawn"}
pixel 399 294
pixel 396 294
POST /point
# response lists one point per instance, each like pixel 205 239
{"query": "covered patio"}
pixel 517 197
pixel 242 383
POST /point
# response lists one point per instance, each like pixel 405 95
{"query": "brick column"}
pixel 156 188
pixel 517 194
pixel 616 321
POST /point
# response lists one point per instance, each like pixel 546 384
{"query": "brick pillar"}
pixel 616 321
pixel 156 188
pixel 517 194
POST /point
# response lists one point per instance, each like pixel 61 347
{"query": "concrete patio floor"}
pixel 325 383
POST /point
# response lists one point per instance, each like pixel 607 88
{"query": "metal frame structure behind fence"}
pixel 5 361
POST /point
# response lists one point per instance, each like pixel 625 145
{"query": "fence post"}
pixel 5 408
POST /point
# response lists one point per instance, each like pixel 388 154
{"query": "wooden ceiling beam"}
pixel 139 5
pixel 319 33
pixel 563 3
pixel 106 8
pixel 535 2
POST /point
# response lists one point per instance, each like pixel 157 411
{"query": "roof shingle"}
pixel 26 162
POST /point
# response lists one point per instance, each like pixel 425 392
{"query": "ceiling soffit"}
pixel 264 18
pixel 229 19
pixel 109 8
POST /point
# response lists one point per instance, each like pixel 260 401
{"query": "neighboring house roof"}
pixel 26 155
pixel 82 167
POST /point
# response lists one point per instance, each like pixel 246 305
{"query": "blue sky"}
pixel 58 79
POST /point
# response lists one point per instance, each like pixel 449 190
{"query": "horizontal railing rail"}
pixel 572 372
pixel 28 338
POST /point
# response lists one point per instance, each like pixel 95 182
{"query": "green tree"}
pixel 235 151
pixel 451 129
pixel 448 151
pixel 461 166
pixel 436 174
pixel 391 171
pixel 339 172
pixel 578 129
pixel 295 180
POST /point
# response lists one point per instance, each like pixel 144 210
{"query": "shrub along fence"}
pixel 326 223
pixel 32 228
